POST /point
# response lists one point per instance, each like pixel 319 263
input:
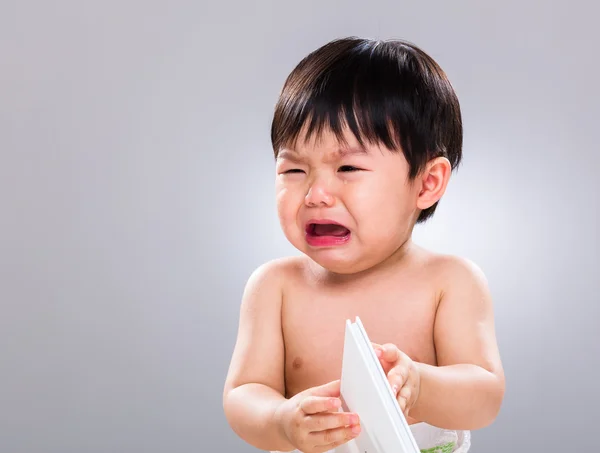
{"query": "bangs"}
pixel 382 92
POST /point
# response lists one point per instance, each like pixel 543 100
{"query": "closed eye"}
pixel 348 168
pixel 293 170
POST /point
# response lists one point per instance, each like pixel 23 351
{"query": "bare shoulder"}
pixel 275 273
pixel 461 286
pixel 453 270
pixel 447 272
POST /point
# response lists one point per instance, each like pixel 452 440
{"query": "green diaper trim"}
pixel 446 448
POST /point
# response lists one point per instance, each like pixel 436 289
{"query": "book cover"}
pixel 366 391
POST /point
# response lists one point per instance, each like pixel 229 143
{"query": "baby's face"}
pixel 346 208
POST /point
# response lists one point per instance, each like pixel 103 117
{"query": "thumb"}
pixel 330 389
pixel 387 355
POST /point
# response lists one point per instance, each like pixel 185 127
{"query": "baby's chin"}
pixel 336 261
pixel 347 260
pixel 343 259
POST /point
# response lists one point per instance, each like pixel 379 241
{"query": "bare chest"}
pixel 314 322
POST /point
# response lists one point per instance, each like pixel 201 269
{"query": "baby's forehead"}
pixel 327 144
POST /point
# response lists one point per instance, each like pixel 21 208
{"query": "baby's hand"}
pixel 402 374
pixel 312 423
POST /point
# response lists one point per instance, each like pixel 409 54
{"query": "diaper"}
pixel 430 439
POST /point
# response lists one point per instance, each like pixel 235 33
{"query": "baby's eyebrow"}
pixel 355 150
pixel 289 155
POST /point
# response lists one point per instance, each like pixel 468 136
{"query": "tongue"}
pixel 330 230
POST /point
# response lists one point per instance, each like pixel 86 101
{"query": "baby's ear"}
pixel 434 180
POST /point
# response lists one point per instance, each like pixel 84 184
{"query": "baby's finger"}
pixel 405 392
pixel 335 436
pixel 316 404
pixel 402 402
pixel 332 446
pixel 390 353
pixel 412 386
pixel 386 358
pixel 328 421
pixel 398 376
pixel 404 396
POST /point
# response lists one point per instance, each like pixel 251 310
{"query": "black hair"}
pixel 387 92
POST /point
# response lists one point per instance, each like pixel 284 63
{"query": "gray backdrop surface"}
pixel 136 195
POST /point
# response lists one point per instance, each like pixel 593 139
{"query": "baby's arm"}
pixel 466 389
pixel 254 386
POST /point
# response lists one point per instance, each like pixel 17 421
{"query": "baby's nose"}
pixel 319 195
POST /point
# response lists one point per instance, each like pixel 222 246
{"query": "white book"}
pixel 366 391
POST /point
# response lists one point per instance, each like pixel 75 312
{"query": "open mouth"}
pixel 326 229
pixel 325 234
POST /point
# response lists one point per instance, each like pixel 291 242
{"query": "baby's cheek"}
pixel 384 230
pixel 380 219
pixel 285 205
pixel 287 210
pixel 286 219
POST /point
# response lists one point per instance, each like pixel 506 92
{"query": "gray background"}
pixel 136 195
